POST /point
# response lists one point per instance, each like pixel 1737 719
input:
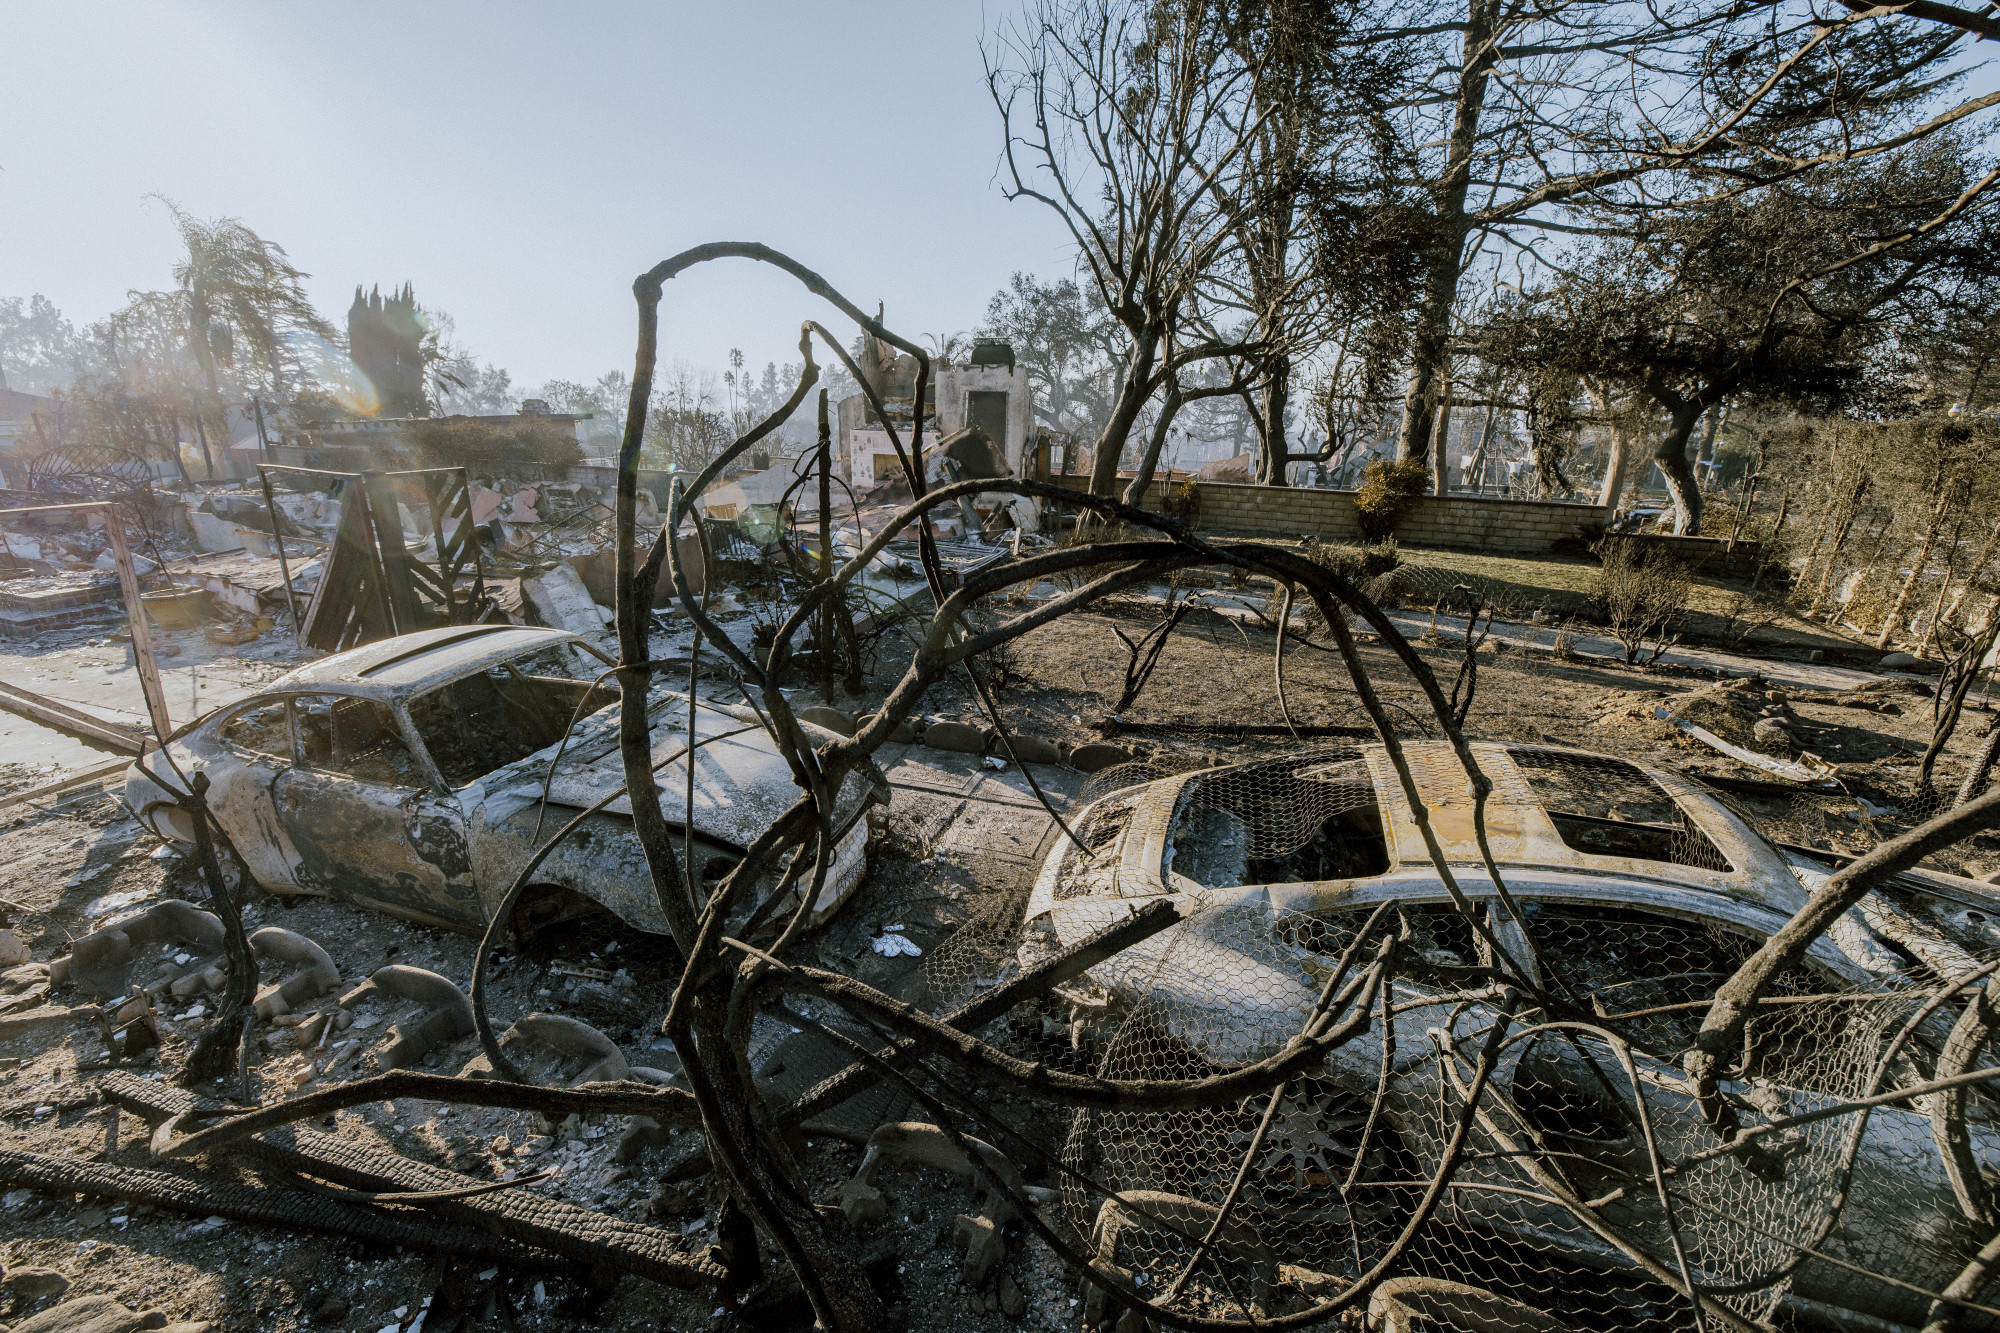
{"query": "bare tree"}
pixel 1535 110
pixel 686 424
pixel 1313 149
pixel 1132 123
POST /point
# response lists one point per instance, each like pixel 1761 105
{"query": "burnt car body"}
pixel 408 776
pixel 1644 890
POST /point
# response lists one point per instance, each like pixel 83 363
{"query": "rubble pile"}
pixel 1732 709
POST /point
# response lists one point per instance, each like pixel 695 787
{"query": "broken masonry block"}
pixel 571 1039
pixel 1098 755
pixel 307 1034
pixel 957 737
pixel 101 962
pixel 1012 1303
pixel 24 987
pixel 1035 750
pixel 984 1247
pixel 311 981
pixel 831 718
pixel 23 1286
pixel 559 599
pixel 979 1233
pixel 447 1018
pixel 213 977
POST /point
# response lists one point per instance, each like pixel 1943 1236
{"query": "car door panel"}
pixel 244 800
pixel 243 753
pixel 392 848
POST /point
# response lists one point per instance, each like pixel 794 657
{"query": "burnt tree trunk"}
pixel 1671 454
pixel 1132 396
pixel 1444 255
pixel 1613 488
pixel 1441 443
pixel 757 1167
pixel 1273 400
pixel 1149 462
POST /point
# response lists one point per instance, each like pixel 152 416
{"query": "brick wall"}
pixel 1512 527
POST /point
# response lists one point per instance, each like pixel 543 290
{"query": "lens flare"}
pixel 333 368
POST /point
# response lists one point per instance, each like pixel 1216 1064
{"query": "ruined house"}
pixel 989 391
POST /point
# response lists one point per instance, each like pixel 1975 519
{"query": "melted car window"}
pixel 260 731
pixel 357 737
pixel 1606 807
pixel 1294 820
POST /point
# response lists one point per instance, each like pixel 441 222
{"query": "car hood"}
pixel 742 785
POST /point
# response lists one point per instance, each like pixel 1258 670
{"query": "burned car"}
pixel 408 775
pixel 1642 891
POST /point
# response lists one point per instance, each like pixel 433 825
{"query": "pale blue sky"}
pixel 520 163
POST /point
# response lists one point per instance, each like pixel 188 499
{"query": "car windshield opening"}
pixel 1302 819
pixel 483 722
pixel 1607 807
pixel 1656 972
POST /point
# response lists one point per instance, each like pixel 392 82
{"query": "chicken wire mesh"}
pixel 1349 1149
pixel 1551 1214
pixel 1310 816
pixel 1171 1170
pixel 981 954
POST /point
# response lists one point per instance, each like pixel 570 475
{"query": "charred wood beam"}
pixel 546 1225
pixel 262 1206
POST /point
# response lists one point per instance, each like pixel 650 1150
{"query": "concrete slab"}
pixel 94 674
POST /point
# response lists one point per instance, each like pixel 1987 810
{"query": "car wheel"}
pixel 235 875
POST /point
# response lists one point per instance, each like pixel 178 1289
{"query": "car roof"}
pixel 1520 830
pixel 410 664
